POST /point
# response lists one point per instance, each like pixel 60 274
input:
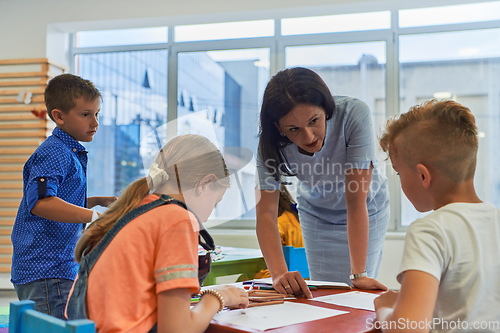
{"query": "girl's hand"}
pixel 234 297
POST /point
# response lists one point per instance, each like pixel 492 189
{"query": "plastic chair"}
pixel 296 260
pixel 23 319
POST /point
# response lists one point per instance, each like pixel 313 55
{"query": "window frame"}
pixel 277 45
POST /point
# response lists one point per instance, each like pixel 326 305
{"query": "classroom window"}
pixel 122 37
pixel 134 89
pixel 467 13
pixel 221 70
pixel 226 30
pixel 463 66
pixel 336 23
pixel 219 96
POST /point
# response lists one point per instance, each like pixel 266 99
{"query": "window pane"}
pixel 336 23
pixel 463 66
pixel 478 12
pixel 353 69
pixel 134 90
pixel 219 95
pixel 227 30
pixel 122 37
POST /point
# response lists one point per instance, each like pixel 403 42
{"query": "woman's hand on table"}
pixel 368 283
pixel 291 283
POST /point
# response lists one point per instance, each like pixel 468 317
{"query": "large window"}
pixel 391 59
pixel 463 66
pixel 218 96
pixel 134 90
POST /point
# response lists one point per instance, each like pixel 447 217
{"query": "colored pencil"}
pixel 251 305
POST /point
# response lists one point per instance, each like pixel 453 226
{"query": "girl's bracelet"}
pixel 216 294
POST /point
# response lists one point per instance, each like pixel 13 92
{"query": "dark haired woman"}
pixel 343 201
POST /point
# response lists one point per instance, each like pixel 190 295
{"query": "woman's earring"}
pixel 283 134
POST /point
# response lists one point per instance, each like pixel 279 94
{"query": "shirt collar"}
pixel 71 143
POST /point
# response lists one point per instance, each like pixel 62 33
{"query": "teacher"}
pixel 343 202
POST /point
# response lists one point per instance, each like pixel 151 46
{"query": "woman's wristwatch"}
pixel 355 276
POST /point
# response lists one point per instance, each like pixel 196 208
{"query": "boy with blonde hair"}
pixel 55 206
pixel 450 270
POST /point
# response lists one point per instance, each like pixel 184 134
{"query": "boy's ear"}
pixel 58 116
pixel 425 175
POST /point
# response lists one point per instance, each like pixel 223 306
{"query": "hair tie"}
pixel 156 176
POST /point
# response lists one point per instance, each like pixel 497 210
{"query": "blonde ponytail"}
pixel 129 200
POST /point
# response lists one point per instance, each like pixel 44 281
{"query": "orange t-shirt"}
pixel 290 231
pixel 155 252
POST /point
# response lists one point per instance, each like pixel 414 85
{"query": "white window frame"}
pixel 277 45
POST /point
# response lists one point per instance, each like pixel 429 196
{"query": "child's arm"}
pixel 175 315
pixel 56 209
pixel 100 201
pixel 414 305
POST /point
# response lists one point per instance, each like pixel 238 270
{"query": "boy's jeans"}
pixel 50 295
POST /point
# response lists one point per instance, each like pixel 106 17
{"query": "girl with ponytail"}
pixel 139 260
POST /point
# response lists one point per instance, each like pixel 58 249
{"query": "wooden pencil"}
pixel 265 299
pixel 251 305
pixel 262 291
pixel 252 293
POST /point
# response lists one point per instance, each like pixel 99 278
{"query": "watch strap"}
pixel 355 276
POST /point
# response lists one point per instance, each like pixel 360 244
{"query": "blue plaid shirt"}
pixel 44 248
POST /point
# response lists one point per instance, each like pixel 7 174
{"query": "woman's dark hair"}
pixel 286 90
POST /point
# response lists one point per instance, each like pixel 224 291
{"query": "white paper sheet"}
pixel 278 315
pixel 353 299
pixel 326 284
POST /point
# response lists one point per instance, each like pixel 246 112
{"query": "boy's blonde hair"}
pixel 440 134
pixel 187 159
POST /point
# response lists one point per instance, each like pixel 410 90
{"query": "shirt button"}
pixel 74 149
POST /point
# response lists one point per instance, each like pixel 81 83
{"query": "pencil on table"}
pixel 251 305
pixel 252 293
pixel 266 298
